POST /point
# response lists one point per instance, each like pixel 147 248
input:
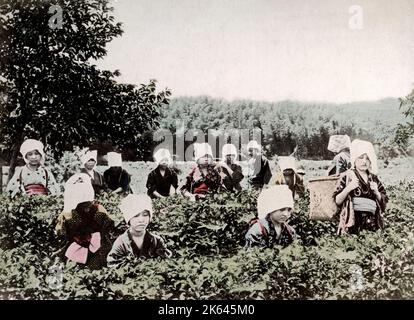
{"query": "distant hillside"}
pixel 286 124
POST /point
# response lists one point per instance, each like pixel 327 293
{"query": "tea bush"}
pixel 209 260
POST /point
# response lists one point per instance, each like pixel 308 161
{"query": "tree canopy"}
pixel 52 90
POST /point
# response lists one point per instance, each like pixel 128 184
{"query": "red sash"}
pixel 34 189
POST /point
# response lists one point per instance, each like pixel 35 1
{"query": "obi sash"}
pixel 35 189
pixel 79 253
pixel 364 204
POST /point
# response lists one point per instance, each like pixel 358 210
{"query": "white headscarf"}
pixel 253 144
pixel 133 204
pixel 338 143
pixel 78 189
pixel 201 150
pixel 114 159
pixel 358 148
pixel 287 163
pixel 161 154
pixel 274 198
pixel 228 149
pixel 90 155
pixel 30 145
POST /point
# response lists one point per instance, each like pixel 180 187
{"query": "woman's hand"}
pixel 353 184
pixel 374 187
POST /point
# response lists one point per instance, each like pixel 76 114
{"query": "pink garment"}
pixel 79 254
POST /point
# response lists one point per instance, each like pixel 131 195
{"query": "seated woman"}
pixel 359 192
pixel 84 224
pixel 274 207
pixel 204 177
pixel 89 160
pixel 230 171
pixel 259 168
pixel 339 144
pixel 162 181
pixel 117 179
pixel 289 176
pixel 33 178
pixel 137 241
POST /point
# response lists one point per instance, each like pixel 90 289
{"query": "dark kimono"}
pixel 161 184
pixel 199 183
pixel 263 234
pixel 79 227
pixel 124 246
pixel 232 182
pixel 98 182
pixel 352 220
pixel 116 177
pixel 261 174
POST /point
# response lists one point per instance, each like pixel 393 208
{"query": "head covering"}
pixel 228 149
pixel 338 143
pixel 30 145
pixel 201 150
pixel 253 144
pixel 287 163
pixel 133 204
pixel 78 189
pixel 274 198
pixel 358 148
pixel 114 159
pixel 161 154
pixel 90 155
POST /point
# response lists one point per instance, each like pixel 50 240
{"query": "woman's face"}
pixel 253 152
pixel 205 160
pixel 281 215
pixel 34 157
pixel 362 163
pixel 140 221
pixel 90 164
pixel 230 158
pixel 164 163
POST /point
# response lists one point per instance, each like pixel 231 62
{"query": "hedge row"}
pixel 209 260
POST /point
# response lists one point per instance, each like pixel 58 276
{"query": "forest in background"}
pixel 288 124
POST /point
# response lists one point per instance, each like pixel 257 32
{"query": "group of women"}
pixel 87 228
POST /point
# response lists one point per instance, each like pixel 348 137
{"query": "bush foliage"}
pixel 209 261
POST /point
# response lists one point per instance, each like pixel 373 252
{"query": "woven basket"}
pixel 322 203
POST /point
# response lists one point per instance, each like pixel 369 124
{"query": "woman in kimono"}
pixel 162 181
pixel 84 225
pixel 360 194
pixel 33 178
pixel 204 178
pixel 89 160
pixel 230 171
pixel 259 168
pixel 116 178
pixel 339 144
pixel 289 176
pixel 274 207
pixel 137 241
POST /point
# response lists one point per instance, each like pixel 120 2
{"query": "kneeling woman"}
pixel 85 224
pixel 33 178
pixel 274 206
pixel 359 193
pixel 137 241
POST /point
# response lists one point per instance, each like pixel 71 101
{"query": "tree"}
pixel 405 131
pixel 53 90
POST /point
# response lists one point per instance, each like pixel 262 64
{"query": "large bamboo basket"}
pixel 322 203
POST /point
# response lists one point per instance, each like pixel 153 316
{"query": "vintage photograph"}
pixel 234 150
